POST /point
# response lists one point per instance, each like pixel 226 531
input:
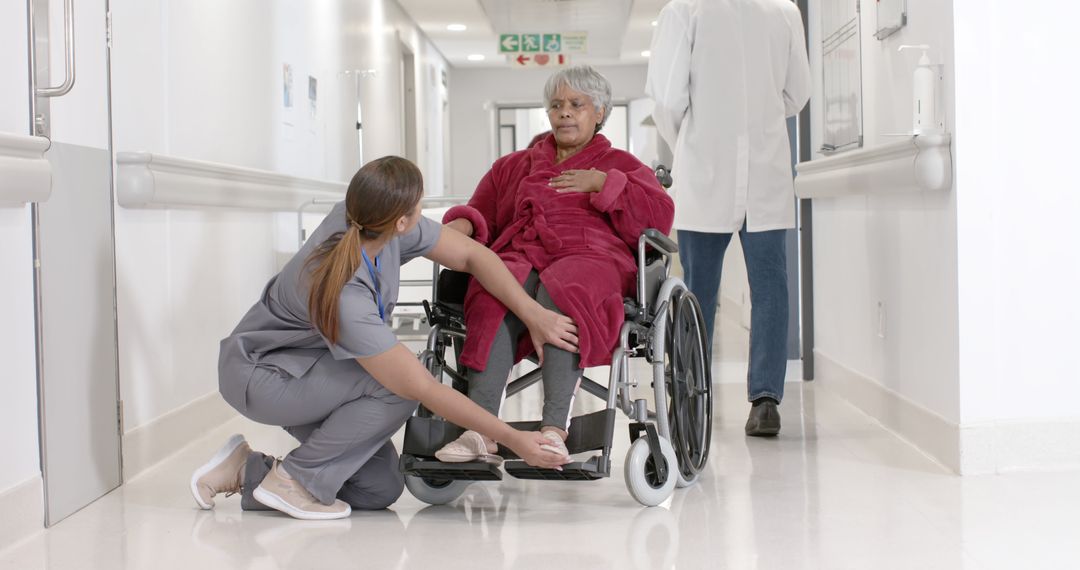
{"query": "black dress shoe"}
pixel 764 419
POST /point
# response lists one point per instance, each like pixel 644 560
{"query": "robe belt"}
pixel 538 227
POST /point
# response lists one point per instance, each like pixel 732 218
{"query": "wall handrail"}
pixel 317 204
pixel 149 180
pixel 449 200
pixel 26 173
pixel 920 163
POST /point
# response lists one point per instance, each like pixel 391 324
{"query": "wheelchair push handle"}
pixel 663 175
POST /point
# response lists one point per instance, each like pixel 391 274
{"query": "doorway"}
pixel 519 124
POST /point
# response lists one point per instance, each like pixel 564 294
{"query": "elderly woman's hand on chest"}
pixel 591 180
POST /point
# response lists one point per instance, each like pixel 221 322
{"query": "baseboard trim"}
pixel 979 448
pixel 734 309
pixel 149 444
pixel 1015 446
pixel 930 433
pixel 24 512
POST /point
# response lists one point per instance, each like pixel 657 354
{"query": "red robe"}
pixel 582 245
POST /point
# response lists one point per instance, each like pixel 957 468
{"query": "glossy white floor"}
pixel 833 491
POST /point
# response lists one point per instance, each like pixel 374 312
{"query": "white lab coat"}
pixel 725 75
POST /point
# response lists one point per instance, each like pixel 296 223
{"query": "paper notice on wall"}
pixel 286 81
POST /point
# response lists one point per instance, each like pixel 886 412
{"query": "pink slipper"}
pixel 555 445
pixel 467 448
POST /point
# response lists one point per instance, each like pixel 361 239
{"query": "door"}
pixel 74 256
pixel 792 249
pixel 408 103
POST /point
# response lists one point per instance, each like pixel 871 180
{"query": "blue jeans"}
pixel 702 256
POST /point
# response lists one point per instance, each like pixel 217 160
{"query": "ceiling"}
pixel 618 30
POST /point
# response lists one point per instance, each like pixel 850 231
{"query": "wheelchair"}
pixel 669 445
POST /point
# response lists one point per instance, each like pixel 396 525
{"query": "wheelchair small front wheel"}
pixel 642 477
pixel 435 491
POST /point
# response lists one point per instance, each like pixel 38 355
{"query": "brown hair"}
pixel 379 194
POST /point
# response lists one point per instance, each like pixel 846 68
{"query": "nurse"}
pixel 315 356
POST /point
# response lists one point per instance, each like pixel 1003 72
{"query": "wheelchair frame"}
pixel 669 445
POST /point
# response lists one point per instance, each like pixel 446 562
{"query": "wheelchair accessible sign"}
pixel 542 50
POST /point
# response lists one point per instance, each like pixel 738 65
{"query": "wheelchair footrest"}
pixel 590 470
pixel 437 470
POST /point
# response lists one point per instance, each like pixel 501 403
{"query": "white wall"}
pixel 473 95
pixel 203 80
pixel 1019 278
pixel 897 250
pixel 14 66
pixel 18 389
pixel 979 283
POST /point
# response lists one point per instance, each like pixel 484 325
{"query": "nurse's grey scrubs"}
pixel 277 369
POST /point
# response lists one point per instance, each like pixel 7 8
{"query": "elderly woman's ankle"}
pixel 561 433
pixel 492 446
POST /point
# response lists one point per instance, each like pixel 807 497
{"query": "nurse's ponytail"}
pixel 379 194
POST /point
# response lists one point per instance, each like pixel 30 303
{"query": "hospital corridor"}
pixel 530 284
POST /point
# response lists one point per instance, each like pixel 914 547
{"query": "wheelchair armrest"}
pixel 666 248
pixel 659 241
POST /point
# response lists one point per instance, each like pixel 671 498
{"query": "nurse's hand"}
pixel 549 327
pixel 527 444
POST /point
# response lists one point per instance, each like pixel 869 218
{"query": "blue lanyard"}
pixel 374 270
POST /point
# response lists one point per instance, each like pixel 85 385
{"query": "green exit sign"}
pixel 559 42
pixel 509 43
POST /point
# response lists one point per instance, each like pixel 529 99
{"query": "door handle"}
pixel 69 55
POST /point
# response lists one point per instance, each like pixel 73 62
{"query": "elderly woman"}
pixel 565 216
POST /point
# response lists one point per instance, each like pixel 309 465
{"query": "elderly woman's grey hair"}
pixel 583 79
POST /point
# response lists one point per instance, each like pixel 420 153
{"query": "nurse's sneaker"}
pixel 290 497
pixel 222 474
pixel 469 447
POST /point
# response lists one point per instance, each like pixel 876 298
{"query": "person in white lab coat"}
pixel 725 75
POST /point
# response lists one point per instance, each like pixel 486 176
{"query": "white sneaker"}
pixel 555 444
pixel 290 497
pixel 467 448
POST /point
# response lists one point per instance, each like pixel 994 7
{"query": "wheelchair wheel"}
pixel 435 492
pixel 689 385
pixel 642 479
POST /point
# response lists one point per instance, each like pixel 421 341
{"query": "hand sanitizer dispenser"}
pixel 924 113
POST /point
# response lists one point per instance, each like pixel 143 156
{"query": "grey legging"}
pixel 561 372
